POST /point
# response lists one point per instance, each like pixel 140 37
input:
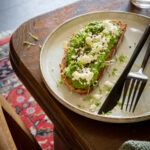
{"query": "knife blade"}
pixel 114 95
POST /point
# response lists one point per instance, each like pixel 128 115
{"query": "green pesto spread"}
pixel 88 50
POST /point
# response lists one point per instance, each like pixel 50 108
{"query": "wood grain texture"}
pixel 14 134
pixel 78 132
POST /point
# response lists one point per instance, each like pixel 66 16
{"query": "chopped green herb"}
pixel 122 58
pixel 33 36
pixel 103 113
pixel 114 71
pixel 59 82
pixel 100 90
pixel 80 106
pixel 92 100
pixel 88 97
pixel 97 103
pixel 109 112
pixel 28 44
pixel 119 103
pixel 108 89
pixel 79 63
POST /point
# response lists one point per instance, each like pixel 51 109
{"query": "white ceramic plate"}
pixel 52 53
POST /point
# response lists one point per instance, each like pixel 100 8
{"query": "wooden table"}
pixel 72 131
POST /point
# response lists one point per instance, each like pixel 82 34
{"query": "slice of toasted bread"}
pixel 68 82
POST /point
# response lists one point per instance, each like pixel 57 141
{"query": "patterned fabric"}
pixel 23 103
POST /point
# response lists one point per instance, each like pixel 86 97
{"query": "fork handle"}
pixel 135 53
pixel 146 57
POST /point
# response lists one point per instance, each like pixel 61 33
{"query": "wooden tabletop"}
pixel 76 131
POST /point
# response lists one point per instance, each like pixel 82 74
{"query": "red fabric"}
pixel 22 101
pixel 5 40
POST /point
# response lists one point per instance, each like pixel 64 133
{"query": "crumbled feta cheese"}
pixel 76 49
pixel 65 44
pixel 99 37
pixel 110 27
pixel 97 96
pixel 114 29
pixel 92 107
pixel 108 84
pixel 107 23
pixel 73 56
pixel 86 58
pixel 88 40
pixel 97 47
pixel 84 74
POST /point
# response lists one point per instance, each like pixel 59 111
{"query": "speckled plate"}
pixel 52 53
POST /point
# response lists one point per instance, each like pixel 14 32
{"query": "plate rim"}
pixel 70 106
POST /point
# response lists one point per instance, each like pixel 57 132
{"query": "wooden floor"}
pixel 15 12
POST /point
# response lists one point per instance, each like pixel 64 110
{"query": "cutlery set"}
pixel 129 83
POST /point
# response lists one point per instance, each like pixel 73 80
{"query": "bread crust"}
pixel 63 64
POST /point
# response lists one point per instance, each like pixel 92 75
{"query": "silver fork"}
pixel 134 85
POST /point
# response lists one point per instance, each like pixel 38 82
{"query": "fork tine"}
pixel 135 90
pixel 126 85
pixel 139 93
pixel 130 91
